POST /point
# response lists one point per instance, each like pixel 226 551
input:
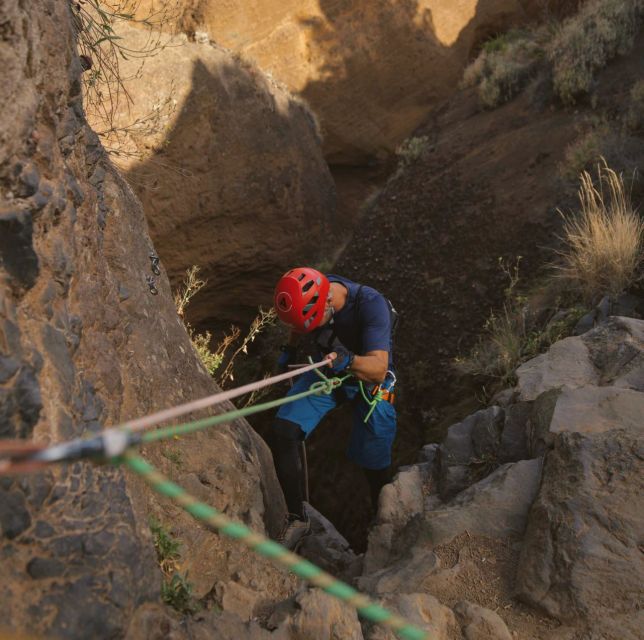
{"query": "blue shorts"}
pixel 370 443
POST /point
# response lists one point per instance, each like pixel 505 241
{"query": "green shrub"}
pixel 174 455
pixel 166 546
pixel 412 149
pixel 201 342
pixel 503 67
pixel 601 30
pixel 177 592
pixel 585 151
pixel 175 589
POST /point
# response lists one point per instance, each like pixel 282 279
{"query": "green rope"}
pixel 372 403
pixel 323 386
pixel 272 550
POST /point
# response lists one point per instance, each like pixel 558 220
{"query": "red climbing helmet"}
pixel 300 298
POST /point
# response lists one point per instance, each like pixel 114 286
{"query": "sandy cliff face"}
pixel 232 179
pixel 371 70
pixel 84 344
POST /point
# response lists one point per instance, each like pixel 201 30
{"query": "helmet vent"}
pixel 310 305
pixel 308 321
pixel 301 277
pixel 307 286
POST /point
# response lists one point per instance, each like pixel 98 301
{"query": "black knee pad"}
pixel 287 430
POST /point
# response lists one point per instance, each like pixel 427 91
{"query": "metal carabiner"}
pixel 155 264
pixel 153 289
pixel 383 384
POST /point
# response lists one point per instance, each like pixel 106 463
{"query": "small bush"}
pixel 504 66
pixel 513 336
pixel 605 242
pixel 175 589
pixel 166 546
pixel 177 592
pixel 585 151
pixel 412 149
pixel 635 114
pixel 174 455
pixel 498 351
pixel 601 30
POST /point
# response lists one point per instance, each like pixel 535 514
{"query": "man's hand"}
pixel 341 358
pixel 286 357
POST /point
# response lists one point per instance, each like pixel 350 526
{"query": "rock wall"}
pixel 85 344
pixel 371 70
pixel 231 175
pixel 482 516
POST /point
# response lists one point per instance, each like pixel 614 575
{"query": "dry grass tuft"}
pixel 605 242
pixel 600 31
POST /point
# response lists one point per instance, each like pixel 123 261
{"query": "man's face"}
pixel 328 312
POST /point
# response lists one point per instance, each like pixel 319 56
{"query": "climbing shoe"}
pixel 294 529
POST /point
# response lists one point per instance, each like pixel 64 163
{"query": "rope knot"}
pixel 325 386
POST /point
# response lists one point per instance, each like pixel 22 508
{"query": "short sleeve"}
pixel 376 322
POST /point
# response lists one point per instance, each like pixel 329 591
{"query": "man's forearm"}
pixel 369 368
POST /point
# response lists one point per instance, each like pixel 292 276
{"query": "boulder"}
pixel 581 558
pixel 589 409
pixel 567 363
pixel 623 305
pixel 469 451
pixel 514 437
pixel 422 610
pixel 403 498
pixel 617 350
pixel 314 614
pixel 495 507
pixel 596 409
pixel 233 180
pixel 400 502
pixel 328 549
pixel 406 567
pixel 479 623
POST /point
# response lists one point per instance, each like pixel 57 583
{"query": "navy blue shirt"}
pixel 364 322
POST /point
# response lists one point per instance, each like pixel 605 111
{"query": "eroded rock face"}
pixel 371 70
pixel 564 535
pixel 85 344
pixel 580 558
pixel 233 180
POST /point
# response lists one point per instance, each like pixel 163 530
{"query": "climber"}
pixel 353 325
